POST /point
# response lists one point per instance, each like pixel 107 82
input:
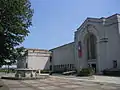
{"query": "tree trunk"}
pixel 8 68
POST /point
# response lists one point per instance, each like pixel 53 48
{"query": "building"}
pixel 63 58
pixel 36 59
pixel 100 43
pixel 96 45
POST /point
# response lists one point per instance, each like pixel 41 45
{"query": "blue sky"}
pixel 55 21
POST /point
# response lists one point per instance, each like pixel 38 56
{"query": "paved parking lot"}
pixel 53 83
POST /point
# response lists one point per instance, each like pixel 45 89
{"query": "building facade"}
pixel 63 58
pixel 96 44
pixel 36 59
pixel 100 43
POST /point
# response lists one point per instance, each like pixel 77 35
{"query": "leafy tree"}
pixel 15 19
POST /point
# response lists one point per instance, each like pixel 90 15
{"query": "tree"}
pixel 15 19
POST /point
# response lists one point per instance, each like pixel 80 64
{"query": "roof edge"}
pixel 61 46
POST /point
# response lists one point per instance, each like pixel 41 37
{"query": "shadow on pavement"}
pixel 3 86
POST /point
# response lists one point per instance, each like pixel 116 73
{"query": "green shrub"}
pixel 85 72
pixel 6 70
pixel 57 72
pixel 2 70
pixel 111 73
pixel 44 71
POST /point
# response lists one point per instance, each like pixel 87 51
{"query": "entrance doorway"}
pixel 94 67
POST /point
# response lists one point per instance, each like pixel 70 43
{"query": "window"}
pixel 54 66
pixel 65 66
pixel 61 66
pixel 58 66
pixel 68 66
pixel 26 65
pixel 50 58
pixel 114 63
pixel 91 47
pixel 71 66
pixel 50 67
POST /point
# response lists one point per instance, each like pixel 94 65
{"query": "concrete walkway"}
pixel 55 83
pixel 60 82
pixel 95 78
pixel 108 79
pixel 3 86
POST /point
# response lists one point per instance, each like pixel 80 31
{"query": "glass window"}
pixel 54 66
pixel 50 67
pixel 50 58
pixel 114 63
pixel 61 65
pixel 26 65
pixel 73 66
pixel 91 47
pixel 70 66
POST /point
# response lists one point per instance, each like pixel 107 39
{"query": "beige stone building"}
pixel 100 43
pixel 63 57
pixel 35 59
pixel 96 44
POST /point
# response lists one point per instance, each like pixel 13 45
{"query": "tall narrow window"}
pixel 50 58
pixel 79 49
pixel 88 51
pixel 114 63
pixel 91 47
pixel 26 65
pixel 50 67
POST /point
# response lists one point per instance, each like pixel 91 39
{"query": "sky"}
pixel 55 21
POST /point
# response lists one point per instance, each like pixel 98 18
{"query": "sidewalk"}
pixel 108 79
pixel 3 86
pixel 95 79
